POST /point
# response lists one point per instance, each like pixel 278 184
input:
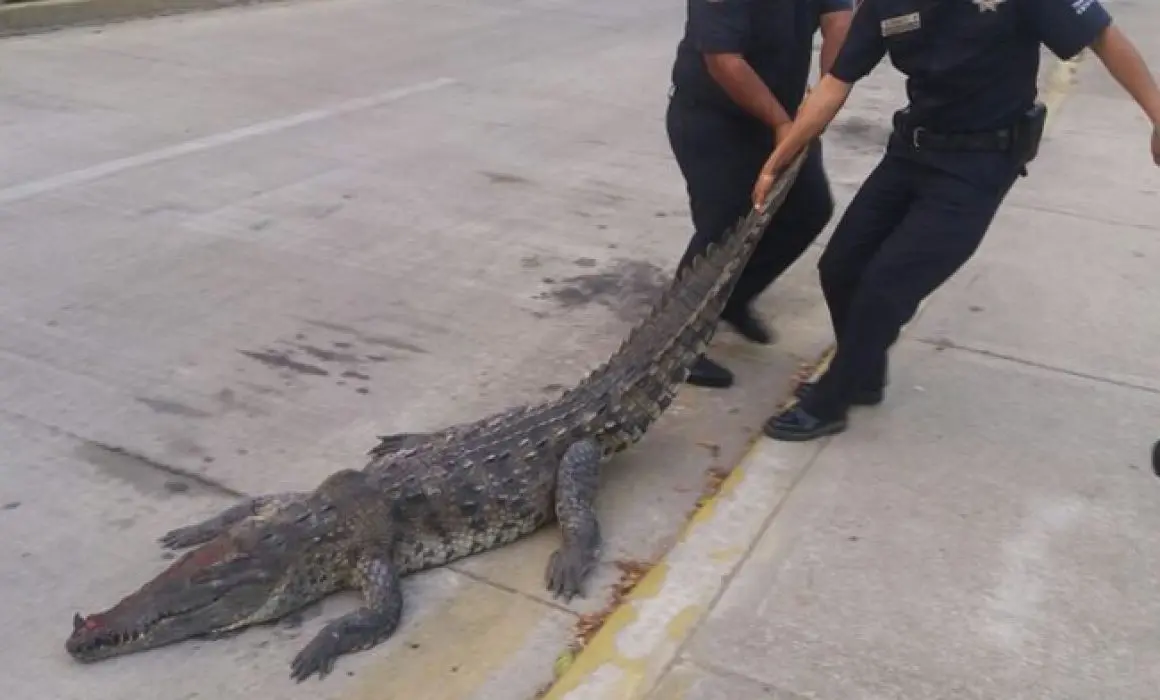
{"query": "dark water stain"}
pixel 230 401
pixel 174 408
pixel 261 225
pixel 584 262
pixel 363 390
pixel 146 475
pixel 11 505
pixel 281 361
pixel 497 178
pixel 262 389
pixel 123 523
pixel 860 131
pixel 530 262
pixel 343 345
pixel 628 287
pixel 378 358
pixel 384 341
pixel 351 374
pixel 328 355
pixel 552 388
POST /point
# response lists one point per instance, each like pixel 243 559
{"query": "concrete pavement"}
pixel 988 531
pixel 239 245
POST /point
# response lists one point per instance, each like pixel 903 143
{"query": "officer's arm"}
pixel 862 51
pixel 1069 26
pixel 746 88
pixel 859 54
pixel 718 29
pixel 1125 64
pixel 835 24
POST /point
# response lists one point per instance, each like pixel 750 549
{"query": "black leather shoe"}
pixel 748 325
pixel 861 397
pixel 796 425
pixel 708 373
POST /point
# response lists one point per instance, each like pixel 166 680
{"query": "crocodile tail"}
pixel 656 357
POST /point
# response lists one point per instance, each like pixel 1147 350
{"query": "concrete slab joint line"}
pixel 641 638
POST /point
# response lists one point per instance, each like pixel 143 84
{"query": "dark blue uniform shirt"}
pixel 971 65
pixel 774 36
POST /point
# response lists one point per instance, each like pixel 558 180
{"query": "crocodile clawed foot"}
pixel 189 536
pixel 568 569
pixel 317 657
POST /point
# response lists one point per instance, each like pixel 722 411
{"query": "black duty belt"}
pixel 921 139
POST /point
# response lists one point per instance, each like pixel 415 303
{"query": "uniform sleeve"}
pixel 864 46
pixel 828 6
pixel 719 26
pixel 1066 27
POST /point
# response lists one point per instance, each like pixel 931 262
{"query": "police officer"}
pixel 739 76
pixel 972 125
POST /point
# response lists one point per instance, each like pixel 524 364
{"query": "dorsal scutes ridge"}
pixel 648 360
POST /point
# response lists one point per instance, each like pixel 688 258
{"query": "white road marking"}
pixel 56 182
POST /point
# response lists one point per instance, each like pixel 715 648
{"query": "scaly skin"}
pixel 427 499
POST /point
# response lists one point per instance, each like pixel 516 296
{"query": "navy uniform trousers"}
pixel 720 156
pixel 911 226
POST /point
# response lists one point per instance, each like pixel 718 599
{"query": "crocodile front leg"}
pixel 576 485
pixel 206 530
pixel 378 579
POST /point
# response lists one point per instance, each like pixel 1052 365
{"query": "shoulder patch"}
pixel 901 24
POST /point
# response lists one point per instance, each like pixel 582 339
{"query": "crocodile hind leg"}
pixel 576 485
pixel 378 579
pixel 206 530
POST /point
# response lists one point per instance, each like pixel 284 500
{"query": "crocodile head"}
pixel 258 571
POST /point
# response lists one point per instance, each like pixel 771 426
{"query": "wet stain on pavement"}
pixel 279 360
pixel 859 131
pixel 329 355
pixel 145 474
pixel 628 288
pixel 173 408
pixel 497 178
pixel 370 339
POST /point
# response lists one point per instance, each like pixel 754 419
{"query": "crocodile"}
pixel 426 499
